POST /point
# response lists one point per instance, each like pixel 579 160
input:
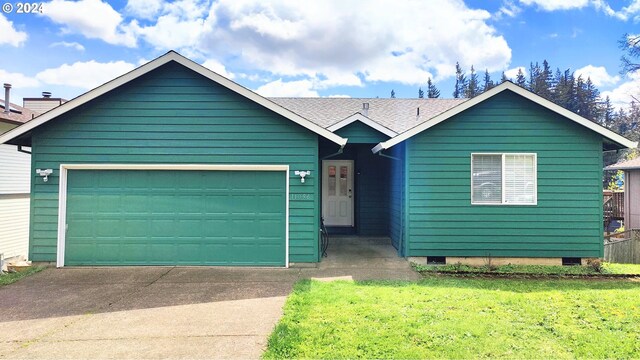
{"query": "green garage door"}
pixel 139 217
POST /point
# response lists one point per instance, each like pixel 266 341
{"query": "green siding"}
pixel 165 217
pixel 359 133
pixel 566 222
pixel 396 195
pixel 170 116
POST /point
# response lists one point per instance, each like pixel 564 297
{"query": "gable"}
pixel 610 140
pixel 22 134
pixel 359 133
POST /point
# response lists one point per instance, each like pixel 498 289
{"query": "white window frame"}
pixel 503 156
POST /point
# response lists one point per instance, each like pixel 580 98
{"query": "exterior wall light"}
pixel 302 174
pixel 44 173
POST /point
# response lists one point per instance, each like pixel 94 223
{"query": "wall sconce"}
pixel 44 173
pixel 302 174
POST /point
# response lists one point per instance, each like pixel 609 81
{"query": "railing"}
pixel 623 247
pixel 613 208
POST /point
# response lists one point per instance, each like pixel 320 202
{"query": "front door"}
pixel 337 192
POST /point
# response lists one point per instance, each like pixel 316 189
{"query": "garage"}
pixel 174 215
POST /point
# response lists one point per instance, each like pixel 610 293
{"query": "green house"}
pixel 173 164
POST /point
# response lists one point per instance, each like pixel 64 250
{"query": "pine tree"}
pixel 420 93
pixel 608 113
pixel 472 89
pixel 503 78
pixel 432 90
pixel 520 79
pixel 631 45
pixel 488 83
pixel 461 82
pixel 393 94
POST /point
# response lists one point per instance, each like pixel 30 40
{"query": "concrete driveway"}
pixel 169 312
pixel 145 312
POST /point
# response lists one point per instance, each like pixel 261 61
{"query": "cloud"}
pixel 598 74
pixel 18 80
pixel 144 9
pixel 93 19
pixel 363 41
pixel 72 45
pixel 513 73
pixel 552 5
pixel 10 36
pixel 509 9
pixel 632 11
pixel 170 32
pixel 279 88
pixel 624 94
pixel 218 68
pixel 84 75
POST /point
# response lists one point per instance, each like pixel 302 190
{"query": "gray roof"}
pixel 395 114
pixel 18 115
pixel 625 165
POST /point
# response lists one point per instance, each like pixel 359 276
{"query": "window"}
pixel 508 179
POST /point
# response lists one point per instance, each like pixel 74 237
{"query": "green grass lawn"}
pixel 446 317
pixel 9 278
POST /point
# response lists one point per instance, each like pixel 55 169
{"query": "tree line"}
pixel 563 87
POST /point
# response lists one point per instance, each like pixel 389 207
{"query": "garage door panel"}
pixel 124 217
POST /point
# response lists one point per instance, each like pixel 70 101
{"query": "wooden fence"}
pixel 623 248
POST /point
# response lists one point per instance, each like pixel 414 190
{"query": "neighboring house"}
pixel 14 184
pixel 631 207
pixel 174 164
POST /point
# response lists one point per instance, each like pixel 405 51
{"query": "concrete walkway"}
pixel 168 312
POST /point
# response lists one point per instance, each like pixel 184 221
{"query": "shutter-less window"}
pixel 486 179
pixel 519 179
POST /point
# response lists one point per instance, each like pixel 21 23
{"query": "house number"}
pixel 300 197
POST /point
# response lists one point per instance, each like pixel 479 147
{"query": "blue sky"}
pixel 323 48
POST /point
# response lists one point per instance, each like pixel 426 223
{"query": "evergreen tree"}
pixel 520 79
pixel 534 73
pixel 608 113
pixel 488 83
pixel 420 93
pixel 461 82
pixel 432 90
pixel 473 88
pixel 503 78
pixel 393 94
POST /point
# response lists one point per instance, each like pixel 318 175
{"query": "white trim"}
pixel 502 161
pixel 365 120
pixel 154 64
pixel 496 90
pixel 62 195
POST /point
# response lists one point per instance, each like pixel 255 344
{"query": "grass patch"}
pixel 448 317
pixel 10 278
pixel 605 269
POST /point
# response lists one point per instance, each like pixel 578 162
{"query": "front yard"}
pixel 446 317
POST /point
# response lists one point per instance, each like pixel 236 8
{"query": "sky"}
pixel 328 48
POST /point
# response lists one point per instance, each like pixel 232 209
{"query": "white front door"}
pixel 337 192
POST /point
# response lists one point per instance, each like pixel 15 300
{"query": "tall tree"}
pixel 608 113
pixel 631 59
pixel 488 83
pixel 461 82
pixel 420 93
pixel 503 78
pixel 393 94
pixel 473 88
pixel 432 90
pixel 520 79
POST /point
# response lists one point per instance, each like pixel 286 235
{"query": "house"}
pixel 174 164
pixel 14 185
pixel 631 206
